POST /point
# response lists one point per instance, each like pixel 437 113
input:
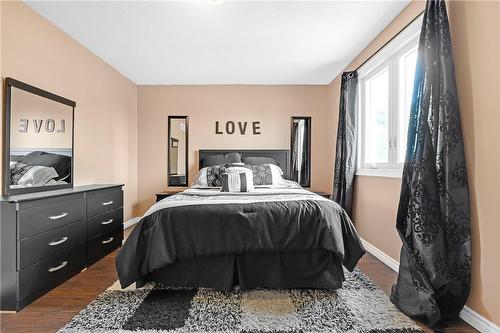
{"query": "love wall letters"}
pixel 48 125
pixel 241 127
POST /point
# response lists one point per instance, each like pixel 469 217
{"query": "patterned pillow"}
pixel 17 170
pixel 262 174
pixel 214 175
pixel 31 175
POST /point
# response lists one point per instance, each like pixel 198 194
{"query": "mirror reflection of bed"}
pixel 40 141
pixel 39 167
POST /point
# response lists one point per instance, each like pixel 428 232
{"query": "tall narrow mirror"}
pixel 177 150
pixel 300 147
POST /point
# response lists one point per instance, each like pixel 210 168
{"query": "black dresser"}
pixel 47 237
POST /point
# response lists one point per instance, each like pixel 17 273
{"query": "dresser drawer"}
pixel 49 273
pixel 38 216
pixel 102 245
pixel 50 243
pixel 103 201
pixel 105 223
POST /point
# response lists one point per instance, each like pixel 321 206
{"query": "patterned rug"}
pixel 360 306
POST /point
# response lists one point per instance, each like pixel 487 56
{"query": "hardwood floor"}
pixel 56 308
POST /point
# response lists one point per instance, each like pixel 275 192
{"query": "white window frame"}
pixel 388 56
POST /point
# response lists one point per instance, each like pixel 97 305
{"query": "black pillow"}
pixel 213 160
pixel 258 160
pixel 220 159
pixel 233 158
pixel 61 163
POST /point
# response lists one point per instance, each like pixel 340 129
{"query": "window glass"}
pixel 377 118
pixel 407 65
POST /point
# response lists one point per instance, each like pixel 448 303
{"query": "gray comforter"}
pixel 197 223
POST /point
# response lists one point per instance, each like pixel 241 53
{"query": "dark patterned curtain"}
pixel 433 218
pixel 345 158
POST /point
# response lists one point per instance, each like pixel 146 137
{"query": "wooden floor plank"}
pixel 52 311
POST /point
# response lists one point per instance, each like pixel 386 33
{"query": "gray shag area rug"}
pixel 360 306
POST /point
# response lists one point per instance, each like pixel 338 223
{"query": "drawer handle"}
pixel 107 222
pixel 62 240
pixel 107 203
pixel 53 269
pixel 57 217
pixel 109 240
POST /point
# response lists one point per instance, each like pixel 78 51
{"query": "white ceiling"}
pixel 254 42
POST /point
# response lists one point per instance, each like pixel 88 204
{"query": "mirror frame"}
pixel 169 180
pixel 309 162
pixel 9 83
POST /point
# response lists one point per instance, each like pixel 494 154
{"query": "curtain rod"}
pixel 390 40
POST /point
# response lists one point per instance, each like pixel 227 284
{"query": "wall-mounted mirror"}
pixel 38 134
pixel 178 129
pixel 300 150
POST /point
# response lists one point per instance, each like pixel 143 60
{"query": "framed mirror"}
pixel 178 129
pixel 38 139
pixel 300 150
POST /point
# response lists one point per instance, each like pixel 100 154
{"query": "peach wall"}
pixel 475 31
pixel 271 105
pixel 36 52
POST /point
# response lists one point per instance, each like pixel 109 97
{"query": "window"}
pixel 385 93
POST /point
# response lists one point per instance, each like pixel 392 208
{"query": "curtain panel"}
pixel 433 219
pixel 345 155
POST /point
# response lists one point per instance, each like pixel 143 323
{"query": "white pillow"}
pixel 237 179
pixel 200 180
pixel 37 175
pixel 277 173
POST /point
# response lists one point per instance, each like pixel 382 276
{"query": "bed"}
pixel 38 168
pixel 279 237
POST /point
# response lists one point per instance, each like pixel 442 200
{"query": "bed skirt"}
pixel 278 270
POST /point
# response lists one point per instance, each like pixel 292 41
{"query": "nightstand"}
pixel 165 194
pixel 323 194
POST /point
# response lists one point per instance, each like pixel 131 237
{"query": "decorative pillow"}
pixel 237 180
pixel 220 159
pixel 266 174
pixel 258 160
pixel 61 163
pixel 27 175
pixel 214 175
pixel 37 176
pixel 17 170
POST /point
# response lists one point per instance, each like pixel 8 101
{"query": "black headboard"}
pixel 282 156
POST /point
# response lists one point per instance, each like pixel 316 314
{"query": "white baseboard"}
pixel 477 321
pixel 131 222
pixel 470 316
pixel 389 261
